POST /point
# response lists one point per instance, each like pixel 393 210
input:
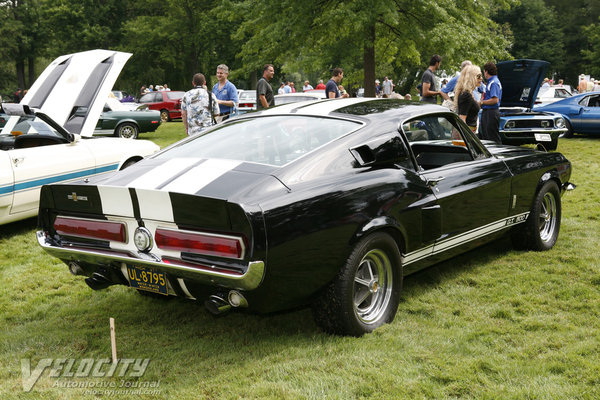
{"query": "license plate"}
pixel 147 279
pixel 543 137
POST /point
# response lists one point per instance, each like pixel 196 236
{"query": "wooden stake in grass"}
pixel 113 341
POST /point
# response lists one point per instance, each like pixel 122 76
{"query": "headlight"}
pixel 560 123
pixel 510 125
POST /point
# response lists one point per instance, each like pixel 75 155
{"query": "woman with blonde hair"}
pixel 468 108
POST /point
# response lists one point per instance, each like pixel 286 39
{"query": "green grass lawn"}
pixel 491 324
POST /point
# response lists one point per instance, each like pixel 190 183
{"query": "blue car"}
pixel 581 113
pixel 521 81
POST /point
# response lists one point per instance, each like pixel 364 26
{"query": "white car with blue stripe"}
pixel 47 138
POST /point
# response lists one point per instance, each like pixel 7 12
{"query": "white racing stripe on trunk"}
pixel 160 174
pixel 116 200
pixel 155 204
pixel 200 176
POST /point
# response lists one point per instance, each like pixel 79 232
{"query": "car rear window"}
pixel 272 140
pixel 175 95
pixel 292 99
pixel 247 95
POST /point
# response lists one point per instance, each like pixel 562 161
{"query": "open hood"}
pixel 521 81
pixel 73 89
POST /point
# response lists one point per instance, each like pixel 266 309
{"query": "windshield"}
pixel 275 140
pixel 21 125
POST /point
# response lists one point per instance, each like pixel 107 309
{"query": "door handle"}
pixel 18 160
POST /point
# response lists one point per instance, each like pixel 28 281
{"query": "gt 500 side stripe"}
pixel 463 238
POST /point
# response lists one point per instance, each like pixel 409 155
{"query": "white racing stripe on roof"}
pixel 200 176
pixel 155 204
pixel 116 200
pixel 157 176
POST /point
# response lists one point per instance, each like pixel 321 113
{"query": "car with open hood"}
pixel 519 124
pixel 327 203
pixel 581 113
pixel 47 136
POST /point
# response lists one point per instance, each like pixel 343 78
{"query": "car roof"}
pixel 363 108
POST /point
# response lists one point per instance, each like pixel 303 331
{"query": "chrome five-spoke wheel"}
pixel 372 286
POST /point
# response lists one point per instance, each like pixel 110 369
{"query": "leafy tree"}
pixel 173 39
pixel 81 25
pixel 21 33
pixel 537 33
pixel 360 35
pixel 591 53
pixel 573 16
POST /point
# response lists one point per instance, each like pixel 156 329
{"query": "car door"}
pixel 7 181
pixel 106 122
pixel 588 119
pixel 37 166
pixel 472 187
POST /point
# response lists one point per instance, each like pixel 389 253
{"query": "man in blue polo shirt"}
pixel 225 92
pixel 490 105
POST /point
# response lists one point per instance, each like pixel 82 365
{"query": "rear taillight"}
pixel 91 229
pixel 200 243
pixel 246 105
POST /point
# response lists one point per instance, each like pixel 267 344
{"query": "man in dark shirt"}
pixel 264 91
pixel 331 89
pixel 429 91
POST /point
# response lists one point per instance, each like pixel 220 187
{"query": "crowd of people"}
pixel 201 107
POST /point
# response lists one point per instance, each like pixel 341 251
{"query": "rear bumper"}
pixel 204 274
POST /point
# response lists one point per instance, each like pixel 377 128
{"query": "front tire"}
pixel 127 131
pixel 540 231
pixel 366 292
pixel 569 132
pixel 553 145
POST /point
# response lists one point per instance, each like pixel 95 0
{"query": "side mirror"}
pixel 385 150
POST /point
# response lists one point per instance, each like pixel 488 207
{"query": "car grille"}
pixel 533 123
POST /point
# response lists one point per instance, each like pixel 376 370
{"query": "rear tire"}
pixel 366 292
pixel 540 231
pixel 164 116
pixel 127 130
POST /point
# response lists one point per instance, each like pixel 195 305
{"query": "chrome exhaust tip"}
pixel 217 305
pixel 236 299
pixel 98 281
pixel 75 268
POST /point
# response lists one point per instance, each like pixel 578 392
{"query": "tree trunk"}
pixel 21 73
pixel 31 67
pixel 369 62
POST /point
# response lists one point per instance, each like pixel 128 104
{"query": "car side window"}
pixel 438 140
pixel 147 98
pixel 594 101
